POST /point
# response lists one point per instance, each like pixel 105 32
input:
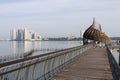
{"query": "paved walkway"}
pixel 94 65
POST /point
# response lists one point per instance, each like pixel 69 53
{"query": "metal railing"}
pixel 11 57
pixel 40 67
pixel 113 64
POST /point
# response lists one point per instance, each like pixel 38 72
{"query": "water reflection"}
pixel 19 47
pixel 116 55
pixel 11 50
pixel 115 50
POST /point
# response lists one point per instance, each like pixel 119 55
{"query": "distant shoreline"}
pixel 59 39
pixel 39 40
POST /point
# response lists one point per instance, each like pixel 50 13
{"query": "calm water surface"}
pixel 116 55
pixel 20 47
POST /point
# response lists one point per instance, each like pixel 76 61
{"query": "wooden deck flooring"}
pixel 94 65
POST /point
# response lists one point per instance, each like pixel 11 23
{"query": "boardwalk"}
pixel 94 65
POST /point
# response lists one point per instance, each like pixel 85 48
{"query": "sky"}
pixel 59 18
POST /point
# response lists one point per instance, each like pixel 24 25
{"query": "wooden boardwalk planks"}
pixel 94 65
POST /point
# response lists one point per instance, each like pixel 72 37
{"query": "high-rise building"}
pixel 20 35
pixel 25 34
pixel 13 34
pixel 35 36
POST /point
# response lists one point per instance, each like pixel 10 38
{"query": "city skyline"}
pixel 59 18
pixel 23 35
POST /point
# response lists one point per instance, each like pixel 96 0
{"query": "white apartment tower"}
pixel 13 34
pixel 26 34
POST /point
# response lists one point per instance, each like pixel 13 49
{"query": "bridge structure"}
pixel 77 63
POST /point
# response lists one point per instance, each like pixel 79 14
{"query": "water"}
pixel 21 47
pixel 116 56
pixel 17 49
pixel 115 53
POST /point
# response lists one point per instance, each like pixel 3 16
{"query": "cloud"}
pixel 58 13
pixel 52 6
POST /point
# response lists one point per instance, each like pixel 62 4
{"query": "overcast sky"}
pixel 57 18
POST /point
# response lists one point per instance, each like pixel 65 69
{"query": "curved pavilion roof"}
pixel 94 34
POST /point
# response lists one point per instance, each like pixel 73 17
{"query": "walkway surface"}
pixel 94 65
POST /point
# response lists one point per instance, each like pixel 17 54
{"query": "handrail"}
pixel 11 57
pixel 32 57
pixel 113 64
pixel 40 67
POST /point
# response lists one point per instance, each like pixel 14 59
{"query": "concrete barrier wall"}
pixel 41 67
